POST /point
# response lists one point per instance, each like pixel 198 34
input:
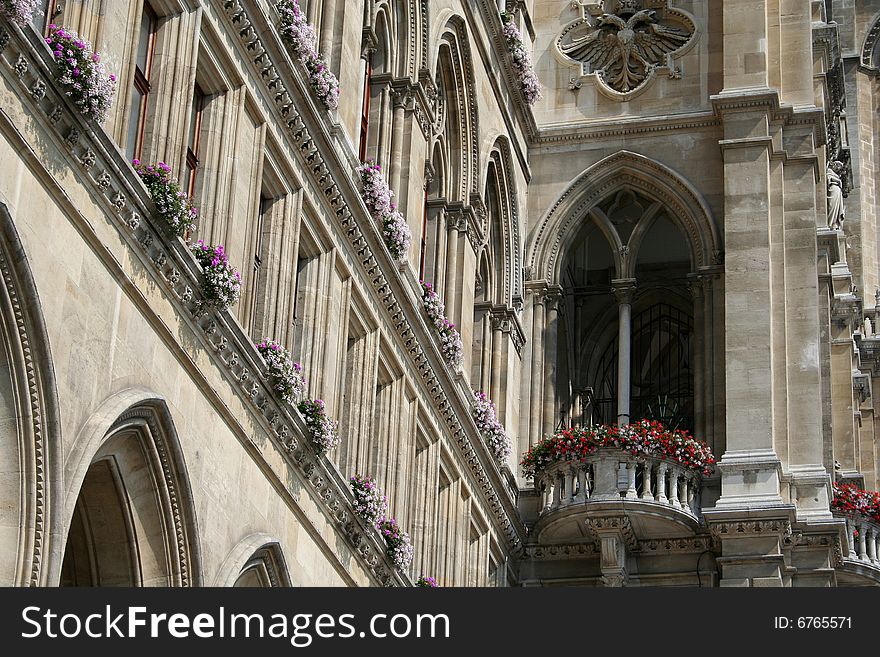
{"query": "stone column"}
pixel 535 370
pixel 699 338
pixel 810 481
pixel 456 224
pixel 400 98
pixel 796 44
pixel 750 468
pixel 624 289
pixel 328 25
pixel 553 295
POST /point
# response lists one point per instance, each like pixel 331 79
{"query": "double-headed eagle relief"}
pixel 626 41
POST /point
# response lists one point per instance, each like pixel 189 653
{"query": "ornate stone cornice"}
pixel 735 528
pixel 666 546
pixel 559 552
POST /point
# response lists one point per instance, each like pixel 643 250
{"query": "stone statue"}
pixel 834 175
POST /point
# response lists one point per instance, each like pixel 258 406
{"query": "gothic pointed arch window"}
pixel 641 297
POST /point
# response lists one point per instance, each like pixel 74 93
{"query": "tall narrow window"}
pixel 195 131
pixel 365 108
pixel 46 14
pixel 141 87
pixel 423 243
pixel 256 285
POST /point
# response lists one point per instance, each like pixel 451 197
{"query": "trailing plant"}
pixel 285 375
pixel 322 429
pixel 646 437
pixel 81 74
pixel 174 206
pixel 222 283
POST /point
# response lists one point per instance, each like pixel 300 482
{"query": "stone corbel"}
pixel 369 42
pixel 429 173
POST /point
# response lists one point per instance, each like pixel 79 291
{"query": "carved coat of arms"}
pixel 625 42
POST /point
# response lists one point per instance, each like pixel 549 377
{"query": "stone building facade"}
pixel 682 228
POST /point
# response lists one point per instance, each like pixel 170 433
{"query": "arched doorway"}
pixel 132 522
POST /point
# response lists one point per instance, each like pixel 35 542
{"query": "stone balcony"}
pixel 659 498
pixel 861 552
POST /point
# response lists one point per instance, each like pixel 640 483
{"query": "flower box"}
pixel 81 74
pixel 369 501
pixel 322 429
pixel 492 431
pixel 285 375
pixel 450 340
pixel 399 547
pixel 644 437
pixel 377 197
pixel 174 207
pixel 18 11
pixel 522 61
pixel 301 41
pixel 222 283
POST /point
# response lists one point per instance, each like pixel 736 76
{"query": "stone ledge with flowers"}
pixel 642 461
pixel 301 41
pixel 861 510
pixel 221 285
pixel 491 429
pixel 174 207
pixel 80 73
pixel 378 199
pixel 450 339
pixel 284 374
pixel 18 11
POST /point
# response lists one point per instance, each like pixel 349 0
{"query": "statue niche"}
pixel 836 210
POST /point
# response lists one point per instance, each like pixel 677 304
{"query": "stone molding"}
pixel 30 356
pixel 623 169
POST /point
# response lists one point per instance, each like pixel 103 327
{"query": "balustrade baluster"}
pixel 589 478
pixel 661 483
pixel 850 529
pixel 566 487
pixel 646 482
pixel 582 483
pixel 673 488
pixel 691 494
pixel 863 548
pixel 682 492
pixel 872 545
pixel 631 493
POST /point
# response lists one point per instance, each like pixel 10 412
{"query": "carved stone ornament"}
pixel 836 211
pixel 625 43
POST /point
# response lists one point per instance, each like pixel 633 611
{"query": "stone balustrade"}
pixel 863 536
pixel 610 474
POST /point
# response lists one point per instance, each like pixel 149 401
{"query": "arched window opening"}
pixel 132 517
pixel 433 232
pixel 640 301
pixel 101 545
